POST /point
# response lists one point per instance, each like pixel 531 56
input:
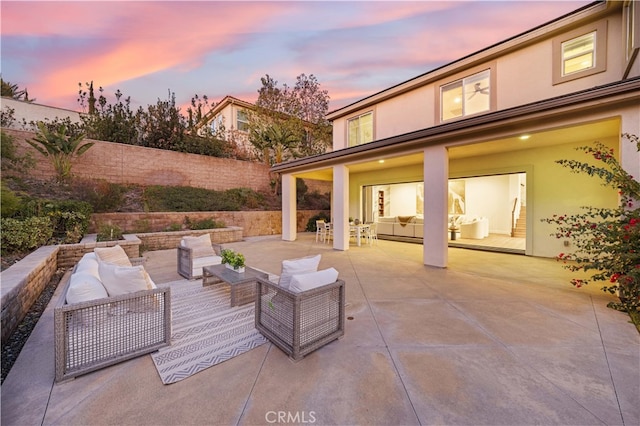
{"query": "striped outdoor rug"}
pixel 206 330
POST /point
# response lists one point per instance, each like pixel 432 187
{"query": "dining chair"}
pixel 321 230
pixel 328 233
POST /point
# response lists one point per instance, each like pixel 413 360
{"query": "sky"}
pixel 146 49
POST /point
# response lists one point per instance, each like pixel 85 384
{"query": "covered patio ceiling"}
pixel 586 133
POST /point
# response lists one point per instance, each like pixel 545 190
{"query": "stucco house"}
pixel 476 140
pixel 27 112
pixel 229 120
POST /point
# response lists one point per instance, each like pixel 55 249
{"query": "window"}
pixel 631 15
pixel 360 129
pixel 242 121
pixel 467 96
pixel 216 124
pixel 580 53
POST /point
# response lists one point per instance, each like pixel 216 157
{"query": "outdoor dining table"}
pixel 360 228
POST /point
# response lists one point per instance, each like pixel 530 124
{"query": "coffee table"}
pixel 243 284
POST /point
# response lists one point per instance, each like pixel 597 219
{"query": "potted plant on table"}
pixel 233 260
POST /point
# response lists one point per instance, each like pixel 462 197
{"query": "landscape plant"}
pixel 606 240
pixel 61 146
pixel 232 258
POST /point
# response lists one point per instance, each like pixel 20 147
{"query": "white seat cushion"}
pixel 200 262
pixel 200 246
pixel 303 282
pixel 292 267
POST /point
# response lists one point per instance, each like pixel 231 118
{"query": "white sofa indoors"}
pixel 401 226
pixel 472 227
pixel 109 311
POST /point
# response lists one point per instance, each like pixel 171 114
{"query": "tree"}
pixel 297 112
pixel 607 240
pixel 13 91
pixel 61 146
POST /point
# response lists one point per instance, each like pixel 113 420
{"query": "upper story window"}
pixel 242 121
pixel 466 96
pixel 580 53
pixel 360 129
pixel 631 14
pixel 216 124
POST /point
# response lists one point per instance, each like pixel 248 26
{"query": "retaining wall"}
pixel 253 223
pixel 23 282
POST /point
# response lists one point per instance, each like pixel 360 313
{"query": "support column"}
pixel 629 155
pixel 436 192
pixel 289 212
pixel 340 208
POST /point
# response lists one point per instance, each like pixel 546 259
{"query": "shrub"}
pixel 607 241
pixel 185 199
pixel 311 225
pixel 103 196
pixel 10 201
pixel 20 235
pixel 107 232
pixel 206 224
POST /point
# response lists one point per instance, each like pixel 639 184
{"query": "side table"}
pixel 243 284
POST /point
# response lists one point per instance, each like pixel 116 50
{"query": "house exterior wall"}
pixel 29 111
pixel 521 76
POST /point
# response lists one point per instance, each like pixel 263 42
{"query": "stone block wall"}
pixel 253 223
pixel 168 240
pixel 23 283
pixel 121 163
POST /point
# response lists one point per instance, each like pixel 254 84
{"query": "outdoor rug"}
pixel 206 330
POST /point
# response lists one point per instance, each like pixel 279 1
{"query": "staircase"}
pixel 520 231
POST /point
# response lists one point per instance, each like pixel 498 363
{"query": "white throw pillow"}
pixel 123 279
pixel 88 264
pixel 84 287
pixel 303 282
pixel 201 245
pixel 292 267
pixel 115 254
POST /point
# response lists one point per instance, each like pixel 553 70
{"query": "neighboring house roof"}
pixel 482 56
pixel 226 101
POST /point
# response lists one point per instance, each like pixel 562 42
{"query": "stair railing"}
pixel 515 214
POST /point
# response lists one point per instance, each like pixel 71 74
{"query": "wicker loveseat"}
pixel 303 311
pixel 94 329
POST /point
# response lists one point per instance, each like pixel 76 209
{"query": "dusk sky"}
pixel 217 48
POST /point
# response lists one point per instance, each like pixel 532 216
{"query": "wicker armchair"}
pixel 193 254
pixel 300 322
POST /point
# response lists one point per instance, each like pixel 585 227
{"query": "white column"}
pixel 436 191
pixel 289 213
pixel 340 208
pixel 629 155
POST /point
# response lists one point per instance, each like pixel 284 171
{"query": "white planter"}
pixel 239 270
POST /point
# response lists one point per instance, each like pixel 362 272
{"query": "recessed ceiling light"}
pixel 380 161
pixel 524 137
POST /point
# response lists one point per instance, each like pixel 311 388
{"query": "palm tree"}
pixel 13 91
pixel 61 146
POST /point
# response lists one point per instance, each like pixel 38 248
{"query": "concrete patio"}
pixel 493 339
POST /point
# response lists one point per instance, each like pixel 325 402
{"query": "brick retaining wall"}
pixel 253 223
pixel 121 163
